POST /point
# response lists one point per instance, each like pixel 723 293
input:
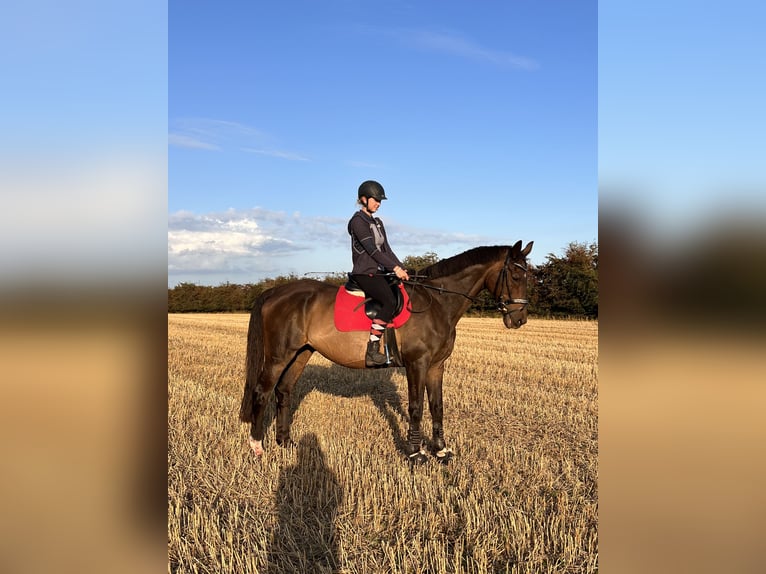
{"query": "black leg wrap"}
pixel 414 441
pixel 415 452
pixel 438 441
pixel 439 448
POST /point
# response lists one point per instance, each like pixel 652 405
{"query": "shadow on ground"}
pixel 334 380
pixel 307 500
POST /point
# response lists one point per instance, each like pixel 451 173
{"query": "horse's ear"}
pixel 527 249
pixel 516 247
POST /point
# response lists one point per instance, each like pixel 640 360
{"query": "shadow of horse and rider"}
pixel 337 381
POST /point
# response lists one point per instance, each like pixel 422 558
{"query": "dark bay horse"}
pixel 289 322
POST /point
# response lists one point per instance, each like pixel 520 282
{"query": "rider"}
pixel 372 256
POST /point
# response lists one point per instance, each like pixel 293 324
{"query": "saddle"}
pixel 355 312
pixel 371 306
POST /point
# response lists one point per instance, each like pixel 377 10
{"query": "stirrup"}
pixel 373 357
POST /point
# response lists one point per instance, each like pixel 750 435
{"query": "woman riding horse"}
pixel 372 256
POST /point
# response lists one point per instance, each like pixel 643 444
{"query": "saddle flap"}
pixel 349 315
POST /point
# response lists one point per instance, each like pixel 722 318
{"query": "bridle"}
pixel 502 280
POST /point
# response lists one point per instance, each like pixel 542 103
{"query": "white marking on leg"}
pixel 421 452
pixel 256 445
pixel 444 452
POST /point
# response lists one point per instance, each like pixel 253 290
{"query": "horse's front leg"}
pixel 436 408
pixel 416 379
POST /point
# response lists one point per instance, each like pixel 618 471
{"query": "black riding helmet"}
pixel 372 189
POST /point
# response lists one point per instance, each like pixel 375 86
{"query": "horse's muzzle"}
pixel 516 317
pixel 513 319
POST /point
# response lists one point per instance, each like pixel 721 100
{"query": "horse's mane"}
pixel 475 256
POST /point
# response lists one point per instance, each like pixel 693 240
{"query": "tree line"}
pixel 563 286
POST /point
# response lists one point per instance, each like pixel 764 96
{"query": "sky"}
pixel 480 121
pixel 228 145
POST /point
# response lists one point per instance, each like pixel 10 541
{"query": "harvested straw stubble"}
pixel 520 496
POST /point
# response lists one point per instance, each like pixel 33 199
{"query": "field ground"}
pixel 520 496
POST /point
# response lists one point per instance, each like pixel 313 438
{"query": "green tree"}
pixel 419 262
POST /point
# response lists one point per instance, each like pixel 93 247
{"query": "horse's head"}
pixel 509 286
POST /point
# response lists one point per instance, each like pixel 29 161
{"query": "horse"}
pixel 290 322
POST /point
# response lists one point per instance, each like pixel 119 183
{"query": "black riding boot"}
pixel 374 358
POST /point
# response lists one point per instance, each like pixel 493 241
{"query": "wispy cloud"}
pixel 456 44
pixel 277 154
pixel 221 135
pixel 187 141
pixel 207 133
pixel 416 240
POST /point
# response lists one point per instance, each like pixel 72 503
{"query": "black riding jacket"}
pixel 370 251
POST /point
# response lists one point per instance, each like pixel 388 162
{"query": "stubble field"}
pixel 520 495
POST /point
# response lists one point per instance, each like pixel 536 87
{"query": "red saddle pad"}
pixel 350 315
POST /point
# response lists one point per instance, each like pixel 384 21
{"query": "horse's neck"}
pixel 469 281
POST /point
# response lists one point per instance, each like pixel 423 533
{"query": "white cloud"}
pixel 245 246
pixel 247 243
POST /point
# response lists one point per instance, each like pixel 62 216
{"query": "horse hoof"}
pixel 418 458
pixel 257 446
pixel 444 456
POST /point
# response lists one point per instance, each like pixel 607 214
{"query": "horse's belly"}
pixel 346 349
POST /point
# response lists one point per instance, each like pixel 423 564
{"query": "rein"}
pixel 502 279
pixel 441 291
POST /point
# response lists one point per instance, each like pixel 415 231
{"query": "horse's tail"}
pixel 254 360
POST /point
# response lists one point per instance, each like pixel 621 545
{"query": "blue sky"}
pixel 480 120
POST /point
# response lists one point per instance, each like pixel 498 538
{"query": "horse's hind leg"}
pixel 265 385
pixel 283 392
pixel 256 426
